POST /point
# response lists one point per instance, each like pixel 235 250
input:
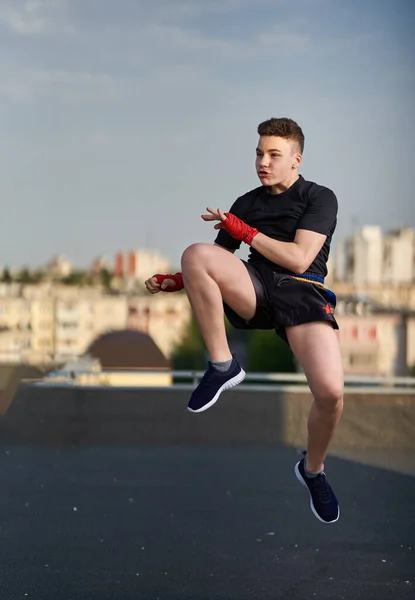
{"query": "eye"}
pixel 274 155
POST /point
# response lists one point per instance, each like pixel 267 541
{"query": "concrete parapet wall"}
pixel 10 376
pixel 368 421
pixel 65 417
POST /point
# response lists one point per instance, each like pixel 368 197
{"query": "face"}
pixel 277 160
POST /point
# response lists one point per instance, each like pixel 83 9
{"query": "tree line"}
pixel 264 350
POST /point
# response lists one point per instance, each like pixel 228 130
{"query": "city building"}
pixel 397 296
pixel 139 265
pixel 374 340
pixel 98 265
pixel 360 256
pixel 163 316
pixel 372 276
pixel 371 257
pixel 59 267
pixel 54 322
pixel 399 257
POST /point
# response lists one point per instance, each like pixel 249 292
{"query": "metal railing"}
pixel 252 380
pixel 379 380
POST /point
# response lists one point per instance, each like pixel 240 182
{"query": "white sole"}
pixel 226 386
pixel 301 480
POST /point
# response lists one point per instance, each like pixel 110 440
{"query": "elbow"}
pixel 294 264
pixel 299 269
pixel 298 261
pixel 301 266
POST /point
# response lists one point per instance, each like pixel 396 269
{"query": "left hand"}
pixel 215 215
pixel 232 224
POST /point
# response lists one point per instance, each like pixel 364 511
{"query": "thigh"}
pixel 228 271
pixel 316 347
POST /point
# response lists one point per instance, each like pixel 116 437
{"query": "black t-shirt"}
pixel 305 205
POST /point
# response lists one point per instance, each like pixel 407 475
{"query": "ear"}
pixel 298 159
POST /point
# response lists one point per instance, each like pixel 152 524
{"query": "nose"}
pixel 263 162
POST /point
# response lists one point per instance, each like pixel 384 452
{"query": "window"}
pixel 361 360
pixel 68 324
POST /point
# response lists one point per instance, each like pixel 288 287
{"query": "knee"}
pixel 196 254
pixel 330 397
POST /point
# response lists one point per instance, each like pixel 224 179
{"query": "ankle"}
pixel 313 467
pixel 222 366
pixel 220 357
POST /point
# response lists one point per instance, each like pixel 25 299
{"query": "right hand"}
pixel 153 287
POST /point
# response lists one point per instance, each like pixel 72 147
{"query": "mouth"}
pixel 264 174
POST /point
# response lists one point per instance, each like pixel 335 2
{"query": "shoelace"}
pixel 207 377
pixel 322 488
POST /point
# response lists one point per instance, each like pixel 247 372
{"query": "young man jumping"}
pixel 288 223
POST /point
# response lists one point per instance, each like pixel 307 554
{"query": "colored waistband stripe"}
pixel 308 277
pixel 316 280
pixel 307 280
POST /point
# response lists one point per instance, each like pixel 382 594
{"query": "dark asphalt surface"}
pixel 192 522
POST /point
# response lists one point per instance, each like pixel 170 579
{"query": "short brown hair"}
pixel 283 128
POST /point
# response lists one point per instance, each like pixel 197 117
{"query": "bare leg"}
pixel 212 275
pixel 316 347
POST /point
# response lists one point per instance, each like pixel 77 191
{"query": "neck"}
pixel 283 186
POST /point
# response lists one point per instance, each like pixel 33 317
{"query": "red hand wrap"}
pixel 238 229
pixel 177 278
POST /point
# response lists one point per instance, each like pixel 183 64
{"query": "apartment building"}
pixel 79 321
pixel 399 257
pixel 59 267
pixel 45 321
pixel 139 265
pixel 397 296
pixel 163 316
pixel 375 345
pixel 360 257
pixel 375 341
pixel 370 257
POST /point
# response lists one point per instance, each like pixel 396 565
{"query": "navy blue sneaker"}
pixel 323 501
pixel 212 384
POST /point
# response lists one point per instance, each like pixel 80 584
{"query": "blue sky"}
pixel 121 121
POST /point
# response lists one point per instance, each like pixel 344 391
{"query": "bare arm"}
pixel 295 256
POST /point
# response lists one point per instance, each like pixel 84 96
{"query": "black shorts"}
pixel 284 301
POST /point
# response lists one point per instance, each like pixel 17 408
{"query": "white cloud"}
pixel 145 92
pixel 32 17
pixel 165 54
pixel 160 45
pixel 192 8
pixel 285 40
pixel 28 85
pixel 223 47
